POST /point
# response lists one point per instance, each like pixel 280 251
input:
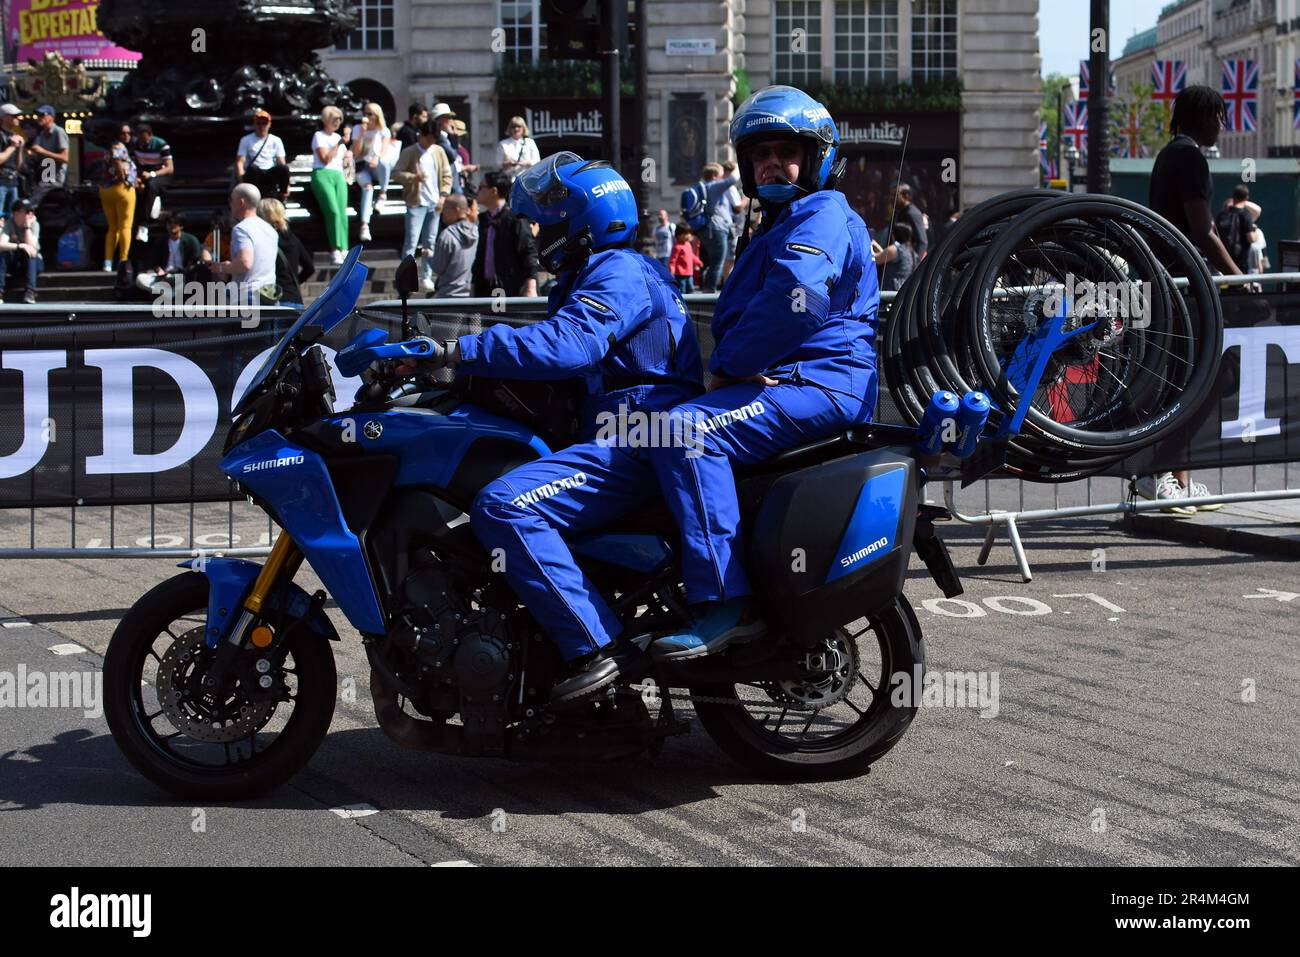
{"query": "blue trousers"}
pixel 716 244
pixel 421 230
pixel 528 512
pixel 30 267
pixel 745 424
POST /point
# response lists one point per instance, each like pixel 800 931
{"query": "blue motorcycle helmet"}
pixel 580 205
pixel 783 112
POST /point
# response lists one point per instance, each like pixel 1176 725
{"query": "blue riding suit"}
pixel 800 306
pixel 620 323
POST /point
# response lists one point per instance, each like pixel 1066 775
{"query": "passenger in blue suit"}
pixel 794 360
pixel 617 320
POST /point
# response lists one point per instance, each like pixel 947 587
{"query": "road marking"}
pixel 939 606
pixel 1278 595
pixel 1032 606
pixel 1092 596
pixel 355 810
pixel 67 649
pixel 15 623
pixel 453 864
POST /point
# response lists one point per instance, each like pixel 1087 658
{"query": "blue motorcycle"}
pixel 220 682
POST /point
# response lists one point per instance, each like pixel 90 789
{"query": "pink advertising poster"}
pixel 36 27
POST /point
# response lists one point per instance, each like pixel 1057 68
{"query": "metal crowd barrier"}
pixel 236 528
pixel 1127 504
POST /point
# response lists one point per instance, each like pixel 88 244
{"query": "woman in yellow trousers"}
pixel 117 195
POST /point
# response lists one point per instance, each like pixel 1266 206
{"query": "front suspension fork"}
pixel 284 560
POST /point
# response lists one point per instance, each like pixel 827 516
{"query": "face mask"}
pixel 777 192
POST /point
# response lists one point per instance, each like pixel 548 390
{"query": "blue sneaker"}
pixel 720 625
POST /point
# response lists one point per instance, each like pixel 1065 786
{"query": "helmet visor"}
pixel 542 182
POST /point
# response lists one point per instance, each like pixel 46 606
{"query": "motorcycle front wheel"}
pixel 838 721
pixel 233 745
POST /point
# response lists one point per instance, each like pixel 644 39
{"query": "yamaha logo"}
pixel 373 429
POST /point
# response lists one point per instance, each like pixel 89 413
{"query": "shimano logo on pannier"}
pixel 274 463
pixel 862 553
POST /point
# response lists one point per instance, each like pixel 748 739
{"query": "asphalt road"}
pixel 1121 736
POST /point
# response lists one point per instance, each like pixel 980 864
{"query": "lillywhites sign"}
pixel 878 132
pixel 545 124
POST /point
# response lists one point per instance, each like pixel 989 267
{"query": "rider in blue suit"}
pixel 794 360
pixel 617 320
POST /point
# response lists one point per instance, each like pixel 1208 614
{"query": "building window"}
pixel 797 43
pixel 525 32
pixel 374 27
pixel 866 41
pixel 934 39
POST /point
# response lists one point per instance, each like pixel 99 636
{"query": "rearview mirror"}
pixel 407 279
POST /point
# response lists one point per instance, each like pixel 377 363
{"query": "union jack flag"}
pixel 1076 125
pixel 1044 162
pixel 1169 77
pixel 1295 110
pixel 1241 93
pixel 1083 80
pixel 1130 144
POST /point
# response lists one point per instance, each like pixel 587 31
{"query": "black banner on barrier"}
pixel 132 412
pixel 124 412
pixel 1252 415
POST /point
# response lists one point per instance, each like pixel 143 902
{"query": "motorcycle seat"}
pixel 810 453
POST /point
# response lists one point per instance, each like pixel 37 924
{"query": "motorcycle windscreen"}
pixel 330 308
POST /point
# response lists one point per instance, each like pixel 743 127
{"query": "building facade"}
pixel 488 60
pixel 1204 33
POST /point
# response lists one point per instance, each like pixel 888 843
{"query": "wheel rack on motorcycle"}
pixel 221 684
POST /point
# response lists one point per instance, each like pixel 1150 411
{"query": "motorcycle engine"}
pixel 465 655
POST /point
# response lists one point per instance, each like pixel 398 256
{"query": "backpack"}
pixel 73 250
pixel 695 206
pixel 1234 234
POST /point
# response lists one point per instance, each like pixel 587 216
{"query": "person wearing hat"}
pixel 20 248
pixel 11 157
pixel 518 150
pixel 50 148
pixel 467 166
pixel 443 120
pixel 262 159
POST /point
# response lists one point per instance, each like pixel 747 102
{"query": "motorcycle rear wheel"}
pixel 751 733
pixel 158 644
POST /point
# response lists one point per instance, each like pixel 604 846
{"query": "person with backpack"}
pixel 615 320
pixel 1235 225
pixel 699 204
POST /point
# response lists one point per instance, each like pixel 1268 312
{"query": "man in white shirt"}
pixel 426 179
pixel 262 159
pixel 253 246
